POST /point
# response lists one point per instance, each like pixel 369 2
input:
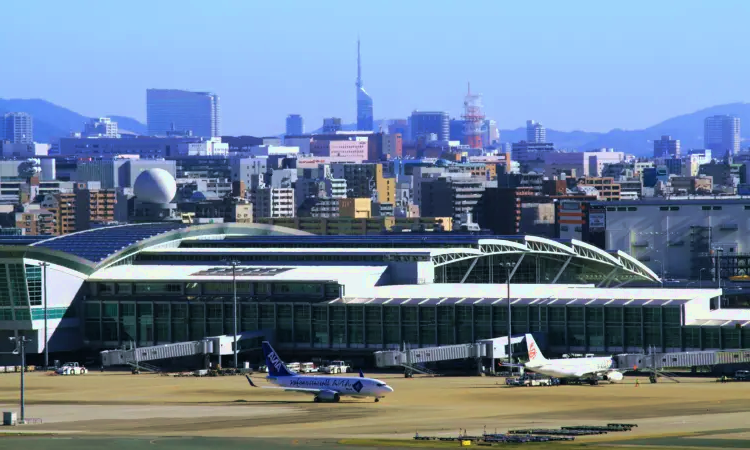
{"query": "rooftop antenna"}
pixel 359 65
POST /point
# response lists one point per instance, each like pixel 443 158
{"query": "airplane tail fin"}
pixel 361 374
pixel 276 367
pixel 250 381
pixel 535 355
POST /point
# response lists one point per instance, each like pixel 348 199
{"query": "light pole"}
pixel 661 276
pixel 44 266
pixel 510 322
pixel 719 252
pixel 700 278
pixel 234 264
pixel 21 348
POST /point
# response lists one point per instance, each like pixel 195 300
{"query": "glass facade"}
pixel 163 312
pixel 601 329
pixel 19 287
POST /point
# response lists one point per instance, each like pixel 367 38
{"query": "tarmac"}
pixel 130 411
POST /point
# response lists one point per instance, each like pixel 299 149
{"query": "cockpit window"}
pixel 380 384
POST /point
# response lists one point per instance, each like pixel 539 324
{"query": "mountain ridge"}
pixel 52 121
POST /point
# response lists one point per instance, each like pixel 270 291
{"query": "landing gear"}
pixel 317 399
pixel 377 400
pixel 593 382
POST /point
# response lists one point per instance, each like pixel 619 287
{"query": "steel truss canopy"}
pixel 620 263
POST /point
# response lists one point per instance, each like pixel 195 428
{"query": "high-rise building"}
pixel 721 134
pixel 364 101
pixel 331 125
pixel 535 132
pixel 294 125
pixel 18 128
pixel 182 111
pixel 490 133
pixel 667 147
pixel 424 123
pixel 101 127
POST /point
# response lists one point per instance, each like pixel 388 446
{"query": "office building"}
pixel 381 146
pixel 331 125
pixel 456 130
pixel 142 146
pixel 364 100
pixel 535 132
pixel 18 128
pixel 499 209
pixel 366 181
pixel 273 202
pixel 579 164
pixel 425 123
pixel 170 110
pixel 355 208
pixel 35 221
pixel 721 134
pixel 348 150
pixel 490 133
pixel 101 127
pixel 606 187
pixel 680 236
pixel 17 151
pixel 119 173
pixel 451 196
pixel 666 147
pixel 399 126
pixel 294 125
pixel 525 152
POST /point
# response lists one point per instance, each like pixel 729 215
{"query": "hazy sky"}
pixel 575 64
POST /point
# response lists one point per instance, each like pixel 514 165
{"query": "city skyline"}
pixel 600 82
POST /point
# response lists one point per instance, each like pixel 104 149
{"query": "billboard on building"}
pixel 597 218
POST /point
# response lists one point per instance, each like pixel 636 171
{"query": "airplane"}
pixel 585 369
pixel 324 388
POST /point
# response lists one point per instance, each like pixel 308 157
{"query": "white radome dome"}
pixel 155 186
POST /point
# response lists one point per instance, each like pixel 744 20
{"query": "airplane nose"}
pixel 390 389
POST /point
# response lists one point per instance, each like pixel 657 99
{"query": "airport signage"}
pixel 597 221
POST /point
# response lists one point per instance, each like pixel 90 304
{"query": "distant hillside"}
pixel 688 128
pixel 53 122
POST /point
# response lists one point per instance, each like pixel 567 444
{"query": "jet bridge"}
pixel 658 361
pixel 413 359
pixel 215 345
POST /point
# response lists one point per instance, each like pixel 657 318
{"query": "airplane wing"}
pixel 287 389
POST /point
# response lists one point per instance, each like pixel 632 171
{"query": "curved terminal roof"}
pixel 90 250
pixel 456 248
pixel 94 249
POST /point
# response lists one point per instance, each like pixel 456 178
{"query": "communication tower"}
pixel 473 119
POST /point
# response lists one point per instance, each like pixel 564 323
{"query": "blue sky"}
pixel 576 64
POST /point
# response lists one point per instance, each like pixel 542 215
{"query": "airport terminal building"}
pixel 337 295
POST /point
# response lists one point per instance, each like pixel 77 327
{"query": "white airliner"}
pixel 325 389
pixel 587 369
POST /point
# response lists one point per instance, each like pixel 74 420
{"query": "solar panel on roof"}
pixel 98 244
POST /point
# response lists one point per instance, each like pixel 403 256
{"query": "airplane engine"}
pixel 328 397
pixel 614 376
